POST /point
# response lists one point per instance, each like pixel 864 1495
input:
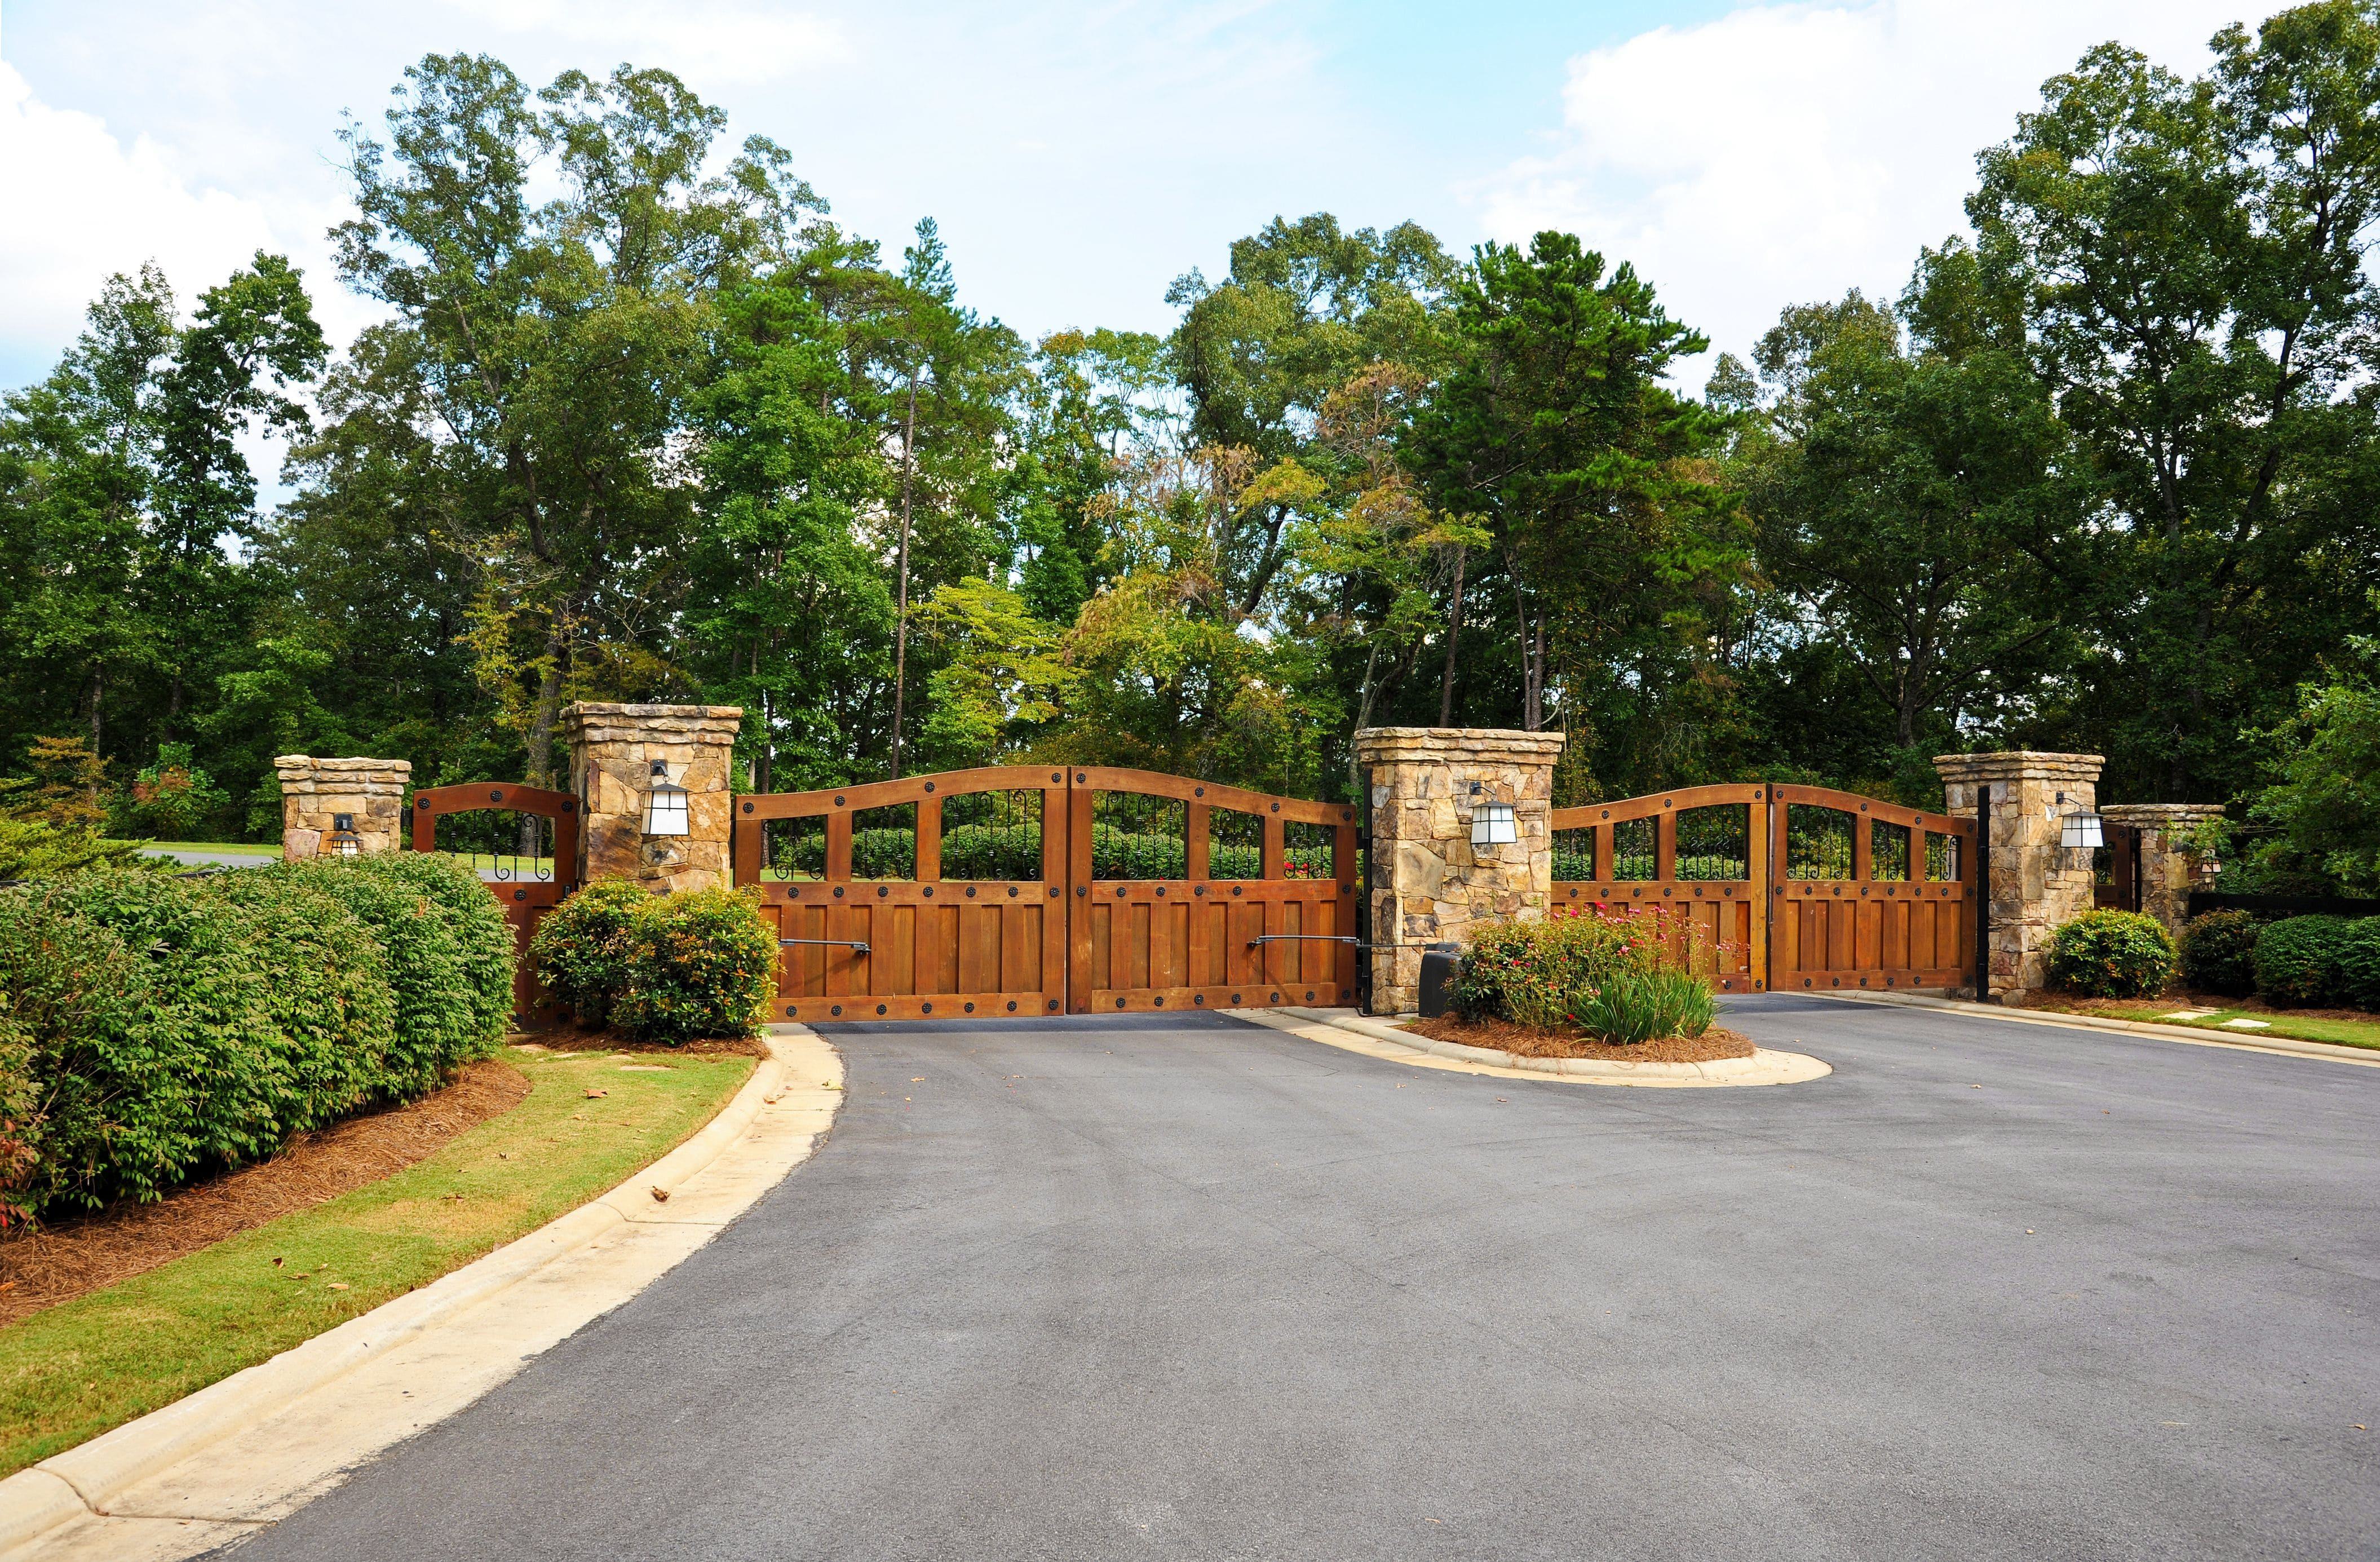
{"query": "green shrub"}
pixel 2111 954
pixel 2297 960
pixel 2358 964
pixel 2218 952
pixel 1634 1005
pixel 483 939
pixel 439 965
pixel 699 963
pixel 580 952
pixel 1526 972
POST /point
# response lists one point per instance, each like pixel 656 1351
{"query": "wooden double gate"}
pixel 1016 891
pixel 1780 888
pixel 523 842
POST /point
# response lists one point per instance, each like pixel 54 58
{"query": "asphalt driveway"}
pixel 1186 1287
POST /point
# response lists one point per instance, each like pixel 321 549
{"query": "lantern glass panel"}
pixel 1492 825
pixel 2080 832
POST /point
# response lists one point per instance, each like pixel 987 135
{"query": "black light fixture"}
pixel 342 841
pixel 1492 823
pixel 2080 830
pixel 665 805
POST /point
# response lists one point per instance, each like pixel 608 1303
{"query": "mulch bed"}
pixel 43 1267
pixel 1503 1035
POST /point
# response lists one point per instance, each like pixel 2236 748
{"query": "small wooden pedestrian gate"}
pixel 523 842
pixel 1783 888
pixel 1018 891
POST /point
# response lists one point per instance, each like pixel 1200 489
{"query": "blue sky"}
pixel 1079 156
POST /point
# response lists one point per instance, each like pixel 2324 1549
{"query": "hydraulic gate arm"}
pixel 854 945
pixel 1331 938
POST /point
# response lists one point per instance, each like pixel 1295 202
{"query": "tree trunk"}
pixel 901 617
pixel 1453 639
pixel 548 709
pixel 94 702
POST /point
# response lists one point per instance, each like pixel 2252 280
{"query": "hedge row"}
pixel 2299 961
pixel 154 1028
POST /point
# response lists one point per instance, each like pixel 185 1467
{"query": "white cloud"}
pixel 1785 153
pixel 727 44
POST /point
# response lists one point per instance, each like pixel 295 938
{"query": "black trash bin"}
pixel 1438 963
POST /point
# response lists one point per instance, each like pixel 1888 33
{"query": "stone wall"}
pixel 2036 883
pixel 1429 885
pixel 2165 869
pixel 611 751
pixel 315 792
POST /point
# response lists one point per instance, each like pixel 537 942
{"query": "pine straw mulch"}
pixel 42 1267
pixel 1503 1035
pixel 2150 1008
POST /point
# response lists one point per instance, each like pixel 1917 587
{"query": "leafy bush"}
pixel 581 949
pixel 2358 964
pixel 2111 954
pixel 2299 960
pixel 174 800
pixel 1634 1005
pixel 153 1027
pixel 699 963
pixel 442 964
pixel 1526 972
pixel 2218 950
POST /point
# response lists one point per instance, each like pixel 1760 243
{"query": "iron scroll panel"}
pixel 902 940
pixel 1892 907
pixel 1155 928
pixel 1710 905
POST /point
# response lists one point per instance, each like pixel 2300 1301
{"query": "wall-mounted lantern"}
pixel 342 841
pixel 2080 830
pixel 665 811
pixel 1492 823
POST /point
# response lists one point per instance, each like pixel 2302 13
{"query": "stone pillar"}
pixel 612 752
pixel 2165 869
pixel 1428 885
pixel 315 792
pixel 2036 883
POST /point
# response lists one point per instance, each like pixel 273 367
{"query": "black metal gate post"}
pixel 1364 896
pixel 1983 891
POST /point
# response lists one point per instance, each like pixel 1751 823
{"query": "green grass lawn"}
pixel 240 848
pixel 2277 1022
pixel 80 1368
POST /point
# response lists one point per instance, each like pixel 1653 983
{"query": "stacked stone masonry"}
pixel 2036 884
pixel 2166 870
pixel 1431 885
pixel 611 751
pixel 315 792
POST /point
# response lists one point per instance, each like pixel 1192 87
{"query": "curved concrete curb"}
pixel 2285 1045
pixel 1764 1067
pixel 281 1432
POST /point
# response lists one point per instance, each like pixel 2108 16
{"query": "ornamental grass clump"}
pixel 2111 954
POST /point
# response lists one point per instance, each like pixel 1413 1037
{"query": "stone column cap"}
pixel 2160 813
pixel 607 721
pixel 1374 744
pixel 2019 764
pixel 307 762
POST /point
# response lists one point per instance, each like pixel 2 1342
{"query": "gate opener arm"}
pixel 854 945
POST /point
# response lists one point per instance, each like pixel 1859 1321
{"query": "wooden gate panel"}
pixel 1856 929
pixel 935 946
pixel 1721 924
pixel 525 897
pixel 1190 940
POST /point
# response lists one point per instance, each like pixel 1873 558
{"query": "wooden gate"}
pixel 530 868
pixel 1190 895
pixel 1693 861
pixel 933 896
pixel 1781 887
pixel 1014 891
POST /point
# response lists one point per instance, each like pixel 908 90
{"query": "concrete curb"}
pixel 2287 1047
pixel 86 1481
pixel 1764 1067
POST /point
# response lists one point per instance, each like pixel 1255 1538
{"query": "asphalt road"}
pixel 1185 1288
